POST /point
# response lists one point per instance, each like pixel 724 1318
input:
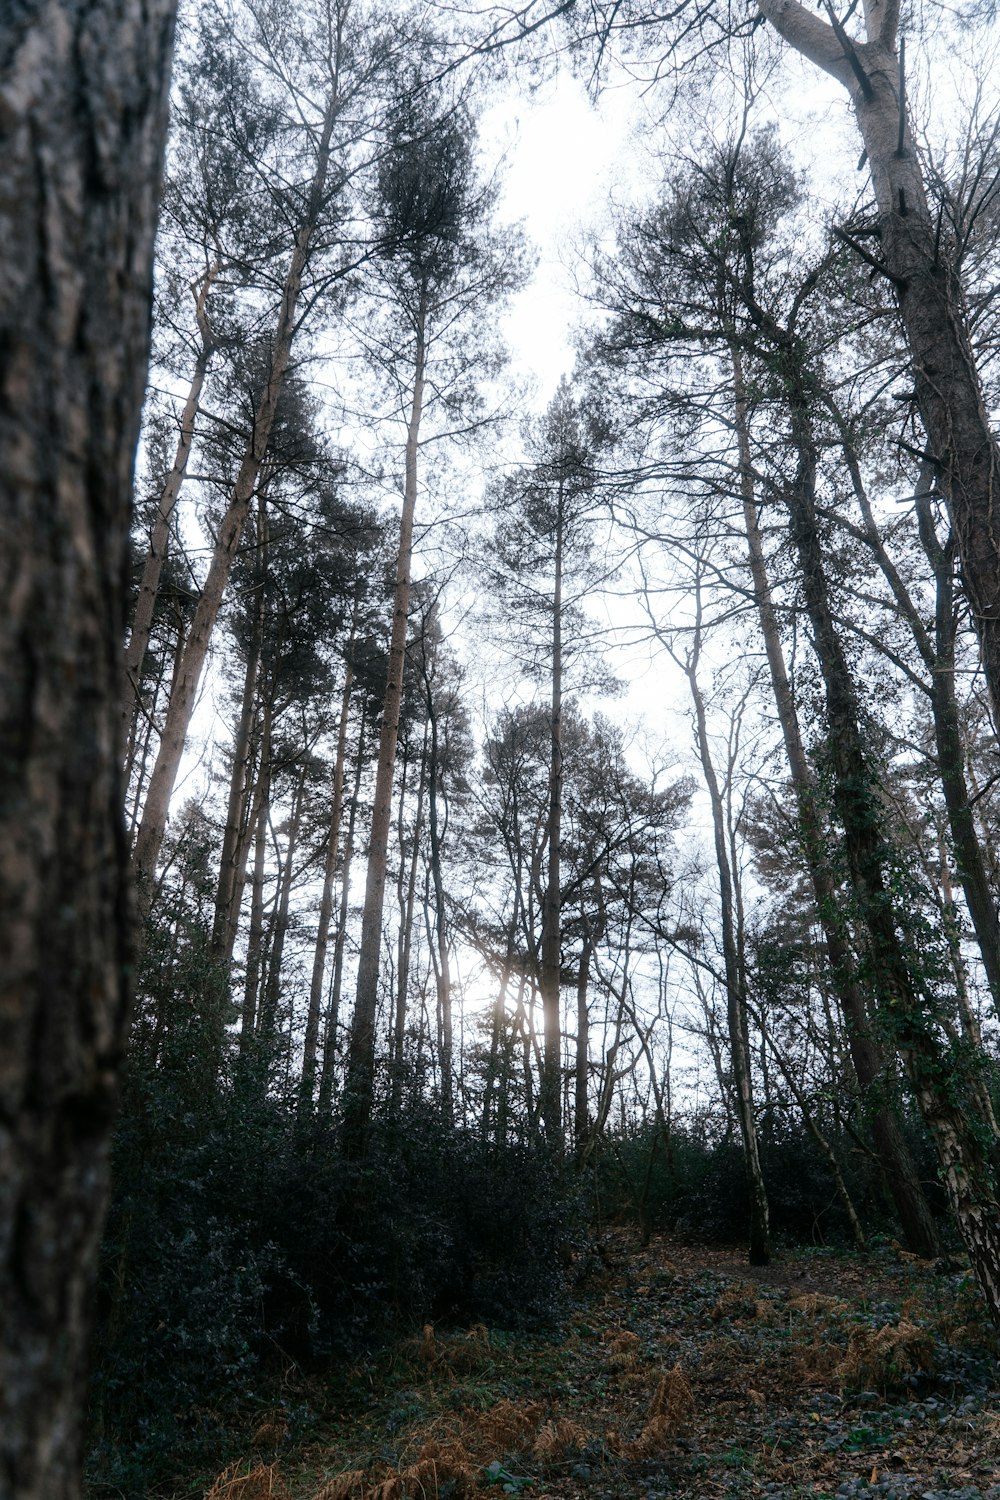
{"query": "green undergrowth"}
pixel 675 1372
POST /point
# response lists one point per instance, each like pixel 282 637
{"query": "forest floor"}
pixel 677 1372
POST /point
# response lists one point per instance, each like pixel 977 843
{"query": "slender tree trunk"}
pixel 183 698
pixel 498 1030
pixel 326 1078
pixel 82 126
pixel 268 1024
pixel 760 1239
pixel 826 1149
pixel 551 965
pixel 233 843
pixel 969 857
pixel 932 307
pixel 581 1072
pixel 407 894
pixel 255 935
pixel 937 652
pixel 442 969
pixel 311 1041
pixel 870 1065
pixel 360 1083
pixel 159 537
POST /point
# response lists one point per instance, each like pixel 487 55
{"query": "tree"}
pixel 341 75
pixel 82 130
pixel 544 543
pixel 441 265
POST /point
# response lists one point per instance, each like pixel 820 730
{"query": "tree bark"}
pixel 437 827
pixel 255 935
pixel 406 892
pixel 326 1079
pixel 907 1008
pixel 231 861
pixel 82 122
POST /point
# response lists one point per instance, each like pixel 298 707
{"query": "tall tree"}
pixel 341 73
pixel 442 265
pixel 545 542
pixel 82 127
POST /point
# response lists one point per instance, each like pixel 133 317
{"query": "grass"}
pixel 680 1372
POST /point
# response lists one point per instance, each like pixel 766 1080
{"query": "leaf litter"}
pixel 679 1372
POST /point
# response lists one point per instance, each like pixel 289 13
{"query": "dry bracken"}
pixel 246 1481
pixel 624 1350
pixel 347 1486
pixel 557 1438
pixel 880 1356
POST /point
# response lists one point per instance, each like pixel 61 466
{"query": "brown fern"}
pixel 247 1481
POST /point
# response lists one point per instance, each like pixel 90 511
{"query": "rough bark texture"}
pixel 82 122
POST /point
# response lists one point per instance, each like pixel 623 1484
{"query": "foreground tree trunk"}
pixel 82 123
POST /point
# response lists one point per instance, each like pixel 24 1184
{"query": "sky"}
pixel 565 160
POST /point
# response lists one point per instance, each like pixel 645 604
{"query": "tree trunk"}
pixel 336 984
pixel 311 1041
pixel 255 935
pixel 969 857
pixel 233 840
pixel 360 1083
pixel 268 1023
pixel 407 900
pixel 82 125
pixel 159 537
pixel 870 1065
pixel 442 970
pixel 760 1239
pixel 551 965
pixel 930 296
pixel 936 1070
pixel 184 695
pixel 581 1072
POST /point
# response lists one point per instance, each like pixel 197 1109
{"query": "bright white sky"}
pixel 565 160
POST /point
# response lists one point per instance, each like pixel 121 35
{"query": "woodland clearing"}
pixel 677 1370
